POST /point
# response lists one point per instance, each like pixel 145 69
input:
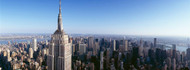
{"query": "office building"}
pixel 34 44
pixel 155 42
pixel 90 43
pixel 60 51
pixel 82 49
pixel 31 52
pixel 114 45
pixel 126 45
pixel 101 60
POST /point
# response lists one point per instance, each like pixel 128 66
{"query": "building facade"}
pixel 60 50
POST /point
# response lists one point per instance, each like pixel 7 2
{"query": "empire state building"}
pixel 60 53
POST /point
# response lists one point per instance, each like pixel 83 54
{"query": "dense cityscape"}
pixel 97 53
pixel 62 51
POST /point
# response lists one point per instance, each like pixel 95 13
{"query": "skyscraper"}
pixel 126 45
pixel 173 64
pixel 91 43
pixel 96 47
pixel 114 45
pixel 155 40
pixel 188 53
pixel 31 52
pixel 60 51
pixel 34 44
pixel 140 48
pixel 174 51
pixel 82 49
pixel 8 55
pixel 101 60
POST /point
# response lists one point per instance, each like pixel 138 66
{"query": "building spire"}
pixel 60 26
pixel 60 6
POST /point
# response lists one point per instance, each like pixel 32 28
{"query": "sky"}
pixel 126 17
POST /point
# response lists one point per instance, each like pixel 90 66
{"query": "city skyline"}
pixel 168 18
pixel 94 35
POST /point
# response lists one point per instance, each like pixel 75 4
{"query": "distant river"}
pixel 2 42
pixel 179 48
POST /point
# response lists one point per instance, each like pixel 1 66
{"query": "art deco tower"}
pixel 60 52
